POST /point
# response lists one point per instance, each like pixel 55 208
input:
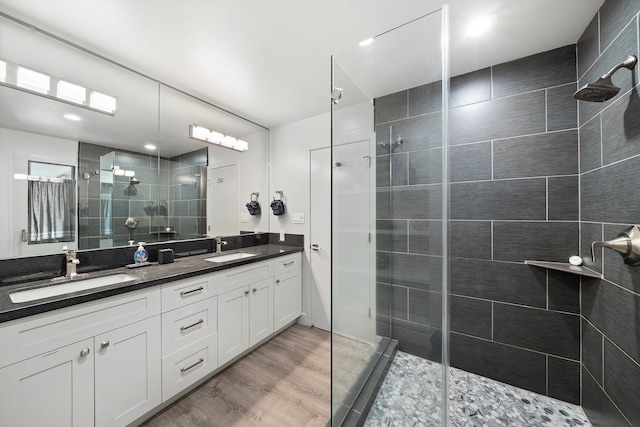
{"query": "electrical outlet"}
pixel 244 217
pixel 298 218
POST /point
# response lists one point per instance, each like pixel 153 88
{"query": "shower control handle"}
pixel 627 244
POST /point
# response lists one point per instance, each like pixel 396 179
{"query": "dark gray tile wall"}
pixel 609 162
pixel 514 173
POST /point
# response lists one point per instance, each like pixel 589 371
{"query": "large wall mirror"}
pixel 123 143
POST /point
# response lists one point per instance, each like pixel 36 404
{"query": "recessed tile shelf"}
pixel 566 267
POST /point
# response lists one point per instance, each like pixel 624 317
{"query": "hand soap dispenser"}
pixel 140 256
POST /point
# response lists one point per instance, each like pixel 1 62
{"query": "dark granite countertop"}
pixel 146 277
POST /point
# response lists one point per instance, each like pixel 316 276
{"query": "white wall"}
pixel 16 149
pixel 290 145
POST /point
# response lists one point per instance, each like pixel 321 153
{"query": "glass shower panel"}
pixel 389 206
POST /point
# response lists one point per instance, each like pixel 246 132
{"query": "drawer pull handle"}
pixel 104 344
pixel 184 328
pixel 277 280
pixel 84 352
pixel 183 370
pixel 187 293
pixel 255 290
pixel 246 292
pixel 288 263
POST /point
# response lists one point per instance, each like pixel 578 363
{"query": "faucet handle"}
pixel 627 244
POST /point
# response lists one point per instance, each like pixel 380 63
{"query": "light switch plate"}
pixel 298 218
pixel 244 217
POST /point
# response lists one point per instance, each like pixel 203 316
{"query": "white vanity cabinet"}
pixel 127 372
pixel 52 389
pixel 189 332
pixel 287 294
pixel 55 365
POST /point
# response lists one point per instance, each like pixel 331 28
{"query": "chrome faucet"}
pixel 219 244
pixel 72 263
pixel 627 244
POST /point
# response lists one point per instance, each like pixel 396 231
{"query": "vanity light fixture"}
pixel 32 81
pixel 150 147
pixel 207 135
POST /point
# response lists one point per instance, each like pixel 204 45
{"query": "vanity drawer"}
pixel 234 278
pixel 183 292
pixel 187 366
pixel 186 325
pixel 287 263
pixel 33 335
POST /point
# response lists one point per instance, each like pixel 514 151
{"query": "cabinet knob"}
pixel 84 352
pixel 246 292
pixel 277 280
pixel 104 344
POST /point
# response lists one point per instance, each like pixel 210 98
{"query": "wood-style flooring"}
pixel 285 382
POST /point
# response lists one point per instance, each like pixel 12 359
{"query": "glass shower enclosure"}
pixel 389 210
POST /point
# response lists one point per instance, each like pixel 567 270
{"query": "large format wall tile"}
pixel 470 239
pixel 425 99
pixel 522 368
pixel 564 292
pixel 399 169
pixel 391 235
pixel 614 311
pixel 622 381
pixel 419 340
pixel 418 133
pixel 551 68
pixel 470 162
pixel 425 307
pixel 563 204
pixel 590 145
pixel 545 241
pixel 621 128
pixel 536 155
pixel 592 343
pixel 417 271
pixel 563 379
pixel 417 202
pixel 501 118
pixel 470 88
pixel 562 109
pixel 520 199
pixel 425 237
pixel 598 406
pixel 425 166
pixel 614 17
pixel 499 281
pixel 588 46
pixel 471 316
pixel 609 187
pixel 540 330
pixel 391 107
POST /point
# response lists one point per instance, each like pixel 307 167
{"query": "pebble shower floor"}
pixel 411 396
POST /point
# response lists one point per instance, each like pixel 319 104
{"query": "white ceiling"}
pixel 269 60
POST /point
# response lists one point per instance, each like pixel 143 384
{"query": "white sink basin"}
pixel 230 257
pixel 69 287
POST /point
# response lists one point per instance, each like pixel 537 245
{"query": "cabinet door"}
pixel 260 311
pixel 287 299
pixel 128 373
pixel 233 323
pixel 53 389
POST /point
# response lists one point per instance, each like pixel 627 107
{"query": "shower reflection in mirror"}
pixel 52 203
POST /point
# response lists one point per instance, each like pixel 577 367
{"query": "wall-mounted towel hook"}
pixel 256 193
pixel 280 192
pixel 627 244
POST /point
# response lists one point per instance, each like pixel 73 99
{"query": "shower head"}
pixel 603 89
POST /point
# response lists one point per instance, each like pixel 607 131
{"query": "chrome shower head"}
pixel 603 89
